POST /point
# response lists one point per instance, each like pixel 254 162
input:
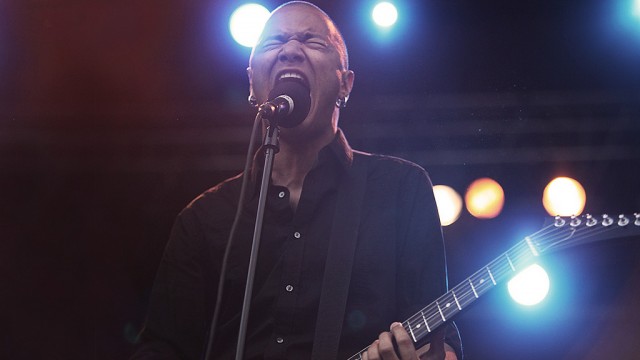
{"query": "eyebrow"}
pixel 300 35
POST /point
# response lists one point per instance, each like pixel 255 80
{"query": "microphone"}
pixel 289 103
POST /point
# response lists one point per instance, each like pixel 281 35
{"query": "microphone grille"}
pixel 299 98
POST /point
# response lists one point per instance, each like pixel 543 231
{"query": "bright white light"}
pixel 385 14
pixel 449 204
pixel 530 286
pixel 564 196
pixel 636 8
pixel 247 23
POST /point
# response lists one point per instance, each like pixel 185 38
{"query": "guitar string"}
pixel 498 273
pixel 464 300
pixel 464 294
pixel 591 234
pixel 481 275
pixel 501 269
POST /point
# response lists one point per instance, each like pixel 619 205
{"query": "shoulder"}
pixel 378 165
pixel 216 201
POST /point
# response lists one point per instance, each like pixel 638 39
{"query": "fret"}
pixel 473 288
pixel 433 317
pixel 493 280
pixel 449 304
pixel 465 294
pixel 559 234
pixel 411 331
pixel 500 269
pixel 531 247
pixel 481 284
pixel 425 321
pixel 456 299
pixel 510 262
pixel 440 311
pixel 410 327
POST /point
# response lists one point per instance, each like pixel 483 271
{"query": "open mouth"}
pixel 289 75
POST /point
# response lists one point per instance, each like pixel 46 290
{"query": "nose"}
pixel 291 51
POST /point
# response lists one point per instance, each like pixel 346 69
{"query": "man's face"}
pixel 297 42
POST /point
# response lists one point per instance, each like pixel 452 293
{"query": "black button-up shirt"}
pixel 399 264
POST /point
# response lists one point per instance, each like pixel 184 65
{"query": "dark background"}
pixel 115 114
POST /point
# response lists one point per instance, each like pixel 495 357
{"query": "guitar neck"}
pixel 466 292
pixel 561 233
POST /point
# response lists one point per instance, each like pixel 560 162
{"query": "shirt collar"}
pixel 341 149
pixel 337 150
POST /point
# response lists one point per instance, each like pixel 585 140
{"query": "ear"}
pixel 346 83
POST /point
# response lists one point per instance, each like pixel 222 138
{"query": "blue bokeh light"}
pixel 246 23
pixel 385 14
pixel 530 286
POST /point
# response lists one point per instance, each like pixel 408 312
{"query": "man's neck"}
pixel 294 161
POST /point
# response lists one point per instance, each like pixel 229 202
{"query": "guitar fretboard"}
pixel 455 300
pixel 466 292
pixel 561 233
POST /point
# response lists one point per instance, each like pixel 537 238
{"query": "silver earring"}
pixel 253 101
pixel 341 103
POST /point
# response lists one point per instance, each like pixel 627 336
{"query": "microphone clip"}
pixel 276 109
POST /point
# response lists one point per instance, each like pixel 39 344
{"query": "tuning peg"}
pixel 559 222
pixel 575 221
pixel 637 221
pixel 606 220
pixel 591 221
pixel 623 220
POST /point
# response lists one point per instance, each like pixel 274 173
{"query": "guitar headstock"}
pixel 560 232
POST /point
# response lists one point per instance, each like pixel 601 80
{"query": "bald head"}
pixel 335 37
pixel 300 42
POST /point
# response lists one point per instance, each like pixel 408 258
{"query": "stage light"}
pixel 530 286
pixel 625 24
pixel 484 198
pixel 385 14
pixel 246 23
pixel 564 196
pixel 449 204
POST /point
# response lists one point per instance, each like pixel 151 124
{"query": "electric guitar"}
pixel 559 233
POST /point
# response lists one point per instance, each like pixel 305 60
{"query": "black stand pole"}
pixel 271 148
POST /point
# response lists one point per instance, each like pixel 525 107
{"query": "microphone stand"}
pixel 271 146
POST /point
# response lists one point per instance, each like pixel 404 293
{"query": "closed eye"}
pixel 314 41
pixel 317 43
pixel 272 42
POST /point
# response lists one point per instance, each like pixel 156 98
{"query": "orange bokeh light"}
pixel 564 196
pixel 449 204
pixel 484 198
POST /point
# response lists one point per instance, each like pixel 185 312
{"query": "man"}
pixel 398 265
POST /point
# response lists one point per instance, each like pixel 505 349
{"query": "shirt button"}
pixel 281 194
pixel 296 235
pixel 279 340
pixel 289 288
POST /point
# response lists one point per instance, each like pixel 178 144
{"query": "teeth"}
pixel 291 75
